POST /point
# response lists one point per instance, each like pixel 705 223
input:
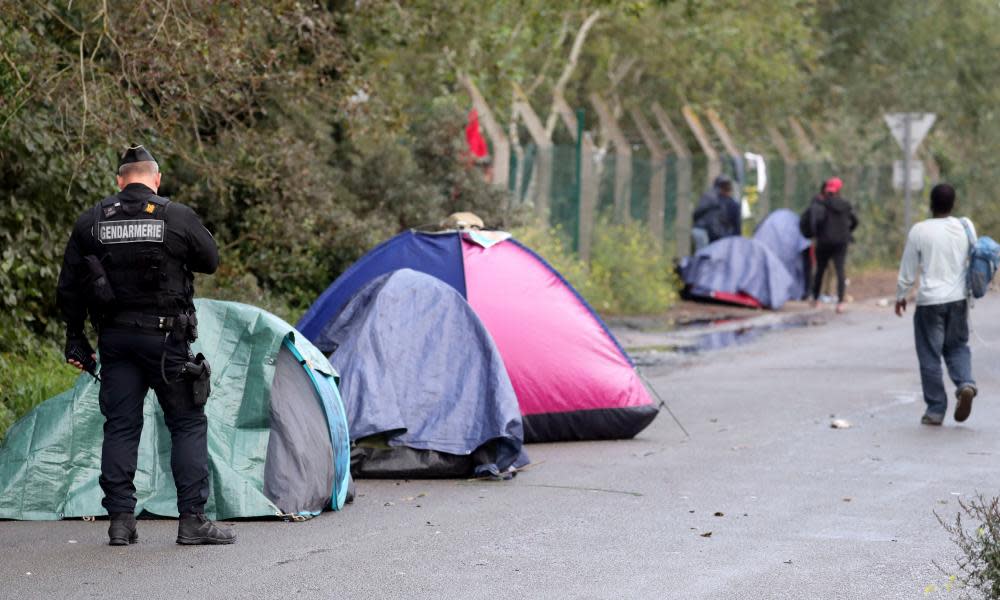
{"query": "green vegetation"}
pixel 978 541
pixel 628 272
pixel 29 378
pixel 305 133
pixel 636 275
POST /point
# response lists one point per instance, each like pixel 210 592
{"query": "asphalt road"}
pixel 804 511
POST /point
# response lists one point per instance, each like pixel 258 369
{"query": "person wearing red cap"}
pixel 834 220
pixel 807 227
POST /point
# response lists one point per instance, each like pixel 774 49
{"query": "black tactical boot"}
pixel 195 529
pixel 122 530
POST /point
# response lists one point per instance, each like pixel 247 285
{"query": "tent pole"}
pixel 663 403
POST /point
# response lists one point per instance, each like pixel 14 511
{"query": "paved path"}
pixel 806 511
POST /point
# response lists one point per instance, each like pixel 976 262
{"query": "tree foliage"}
pixel 305 132
pixel 247 107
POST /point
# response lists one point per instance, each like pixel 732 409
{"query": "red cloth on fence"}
pixel 477 145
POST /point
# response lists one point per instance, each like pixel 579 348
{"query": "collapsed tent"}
pixel 780 233
pixel 277 433
pixel 425 388
pixel 572 379
pixel 739 270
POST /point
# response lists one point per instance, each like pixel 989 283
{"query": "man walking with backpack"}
pixel 938 250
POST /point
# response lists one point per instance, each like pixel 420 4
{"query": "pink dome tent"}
pixel 572 379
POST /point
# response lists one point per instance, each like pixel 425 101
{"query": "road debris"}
pixel 840 424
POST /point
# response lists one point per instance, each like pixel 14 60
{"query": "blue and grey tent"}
pixel 426 391
pixel 572 378
pixel 277 433
pixel 780 233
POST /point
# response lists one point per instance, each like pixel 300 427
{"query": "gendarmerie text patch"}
pixel 124 232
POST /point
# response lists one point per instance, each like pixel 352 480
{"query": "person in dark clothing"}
pixel 807 227
pixel 833 219
pixel 129 263
pixel 717 214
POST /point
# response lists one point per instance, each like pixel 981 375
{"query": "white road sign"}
pixel 916 179
pixel 920 124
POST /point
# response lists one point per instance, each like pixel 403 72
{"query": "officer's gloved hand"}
pixel 80 353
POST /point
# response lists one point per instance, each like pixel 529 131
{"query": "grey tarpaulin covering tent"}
pixel 425 388
pixel 780 233
pixel 277 434
pixel 736 265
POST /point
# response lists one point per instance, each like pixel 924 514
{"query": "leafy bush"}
pixel 26 379
pixel 979 560
pixel 234 283
pixel 633 267
pixel 248 108
pixel 628 272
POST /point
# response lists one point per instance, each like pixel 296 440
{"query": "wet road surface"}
pixel 794 508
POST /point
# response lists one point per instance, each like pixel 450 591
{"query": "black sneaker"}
pixel 963 408
pixel 195 529
pixel 930 419
pixel 122 530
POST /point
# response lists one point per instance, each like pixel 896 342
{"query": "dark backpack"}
pixel 984 257
pixel 807 222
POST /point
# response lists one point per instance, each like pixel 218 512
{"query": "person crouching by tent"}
pixel 834 220
pixel 717 215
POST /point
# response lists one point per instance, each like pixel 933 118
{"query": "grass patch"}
pixel 27 379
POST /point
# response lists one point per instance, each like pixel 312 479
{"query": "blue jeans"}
pixel 942 330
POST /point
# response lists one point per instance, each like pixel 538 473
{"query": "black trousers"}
pixel 825 252
pixel 130 365
pixel 807 269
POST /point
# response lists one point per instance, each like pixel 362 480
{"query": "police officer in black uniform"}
pixel 130 262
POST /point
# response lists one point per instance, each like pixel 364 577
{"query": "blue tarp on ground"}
pixel 780 233
pixel 417 365
pixel 439 255
pixel 736 265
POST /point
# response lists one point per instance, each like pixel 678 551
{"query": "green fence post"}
pixel 581 115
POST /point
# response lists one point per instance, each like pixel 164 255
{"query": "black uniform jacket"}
pixel 185 238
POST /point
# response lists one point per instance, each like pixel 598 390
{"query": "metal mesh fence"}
pixel 626 188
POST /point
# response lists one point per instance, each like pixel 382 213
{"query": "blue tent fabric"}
pixel 780 233
pixel 739 265
pixel 436 382
pixel 439 255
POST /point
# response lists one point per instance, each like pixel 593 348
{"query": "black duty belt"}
pixel 140 322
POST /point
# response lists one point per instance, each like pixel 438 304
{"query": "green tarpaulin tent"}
pixel 277 433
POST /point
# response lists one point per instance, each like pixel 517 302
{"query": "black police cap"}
pixel 135 154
